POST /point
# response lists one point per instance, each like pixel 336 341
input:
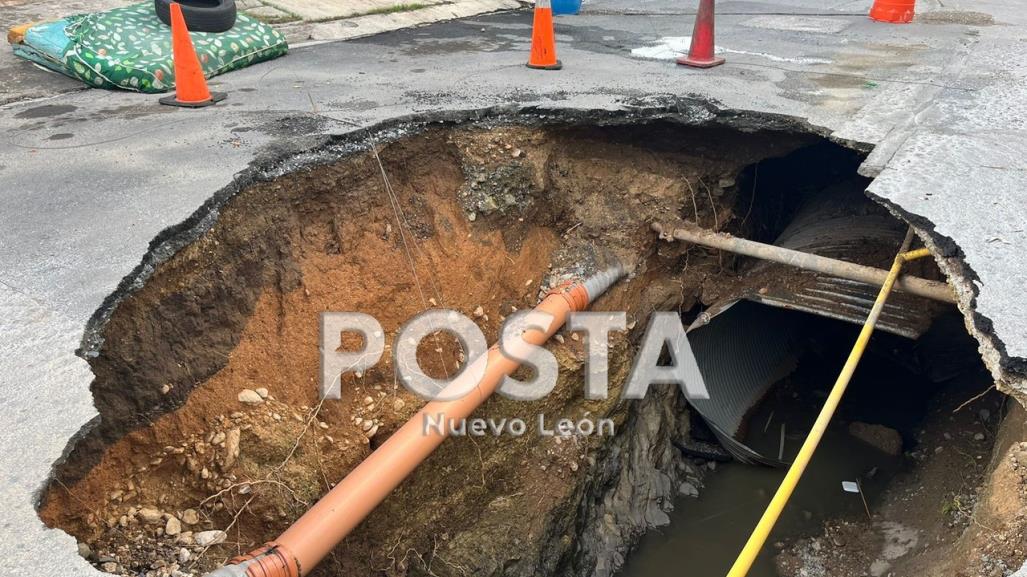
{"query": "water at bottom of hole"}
pixel 706 534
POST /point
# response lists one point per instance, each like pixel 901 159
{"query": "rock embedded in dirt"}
pixel 149 515
pixel 231 448
pixel 84 551
pixel 884 439
pixel 173 526
pixel 687 489
pixel 262 392
pixel 398 405
pixel 190 517
pixel 208 538
pixel 250 397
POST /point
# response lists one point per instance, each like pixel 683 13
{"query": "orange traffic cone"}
pixel 543 40
pixel 190 85
pixel 895 11
pixel 700 53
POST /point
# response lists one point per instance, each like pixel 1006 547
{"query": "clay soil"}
pixel 476 220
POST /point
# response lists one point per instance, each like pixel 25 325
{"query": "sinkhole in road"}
pixel 212 438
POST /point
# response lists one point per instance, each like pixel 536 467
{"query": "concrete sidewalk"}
pixel 92 178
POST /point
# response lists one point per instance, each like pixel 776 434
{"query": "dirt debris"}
pixel 884 439
pixel 958 509
pixel 490 218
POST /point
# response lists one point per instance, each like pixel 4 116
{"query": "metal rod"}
pixel 934 290
pixel 859 487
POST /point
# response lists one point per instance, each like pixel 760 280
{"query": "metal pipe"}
pixel 303 545
pixel 934 290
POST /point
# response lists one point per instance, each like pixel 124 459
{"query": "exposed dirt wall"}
pixel 475 220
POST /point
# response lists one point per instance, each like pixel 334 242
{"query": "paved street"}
pixel 300 22
pixel 95 183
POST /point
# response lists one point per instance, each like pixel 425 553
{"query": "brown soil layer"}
pixel 488 217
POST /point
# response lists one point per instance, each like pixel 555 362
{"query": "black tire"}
pixel 200 15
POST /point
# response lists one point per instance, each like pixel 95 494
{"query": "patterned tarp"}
pixel 130 48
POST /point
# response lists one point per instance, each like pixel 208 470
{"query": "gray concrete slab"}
pixel 89 180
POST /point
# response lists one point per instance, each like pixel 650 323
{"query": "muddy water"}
pixel 706 533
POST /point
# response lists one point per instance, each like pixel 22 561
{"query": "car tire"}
pixel 200 15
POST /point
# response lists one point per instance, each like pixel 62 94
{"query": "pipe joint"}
pixel 271 560
pixel 580 293
pixel 573 292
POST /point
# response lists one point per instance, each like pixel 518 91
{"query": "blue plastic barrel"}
pixel 566 6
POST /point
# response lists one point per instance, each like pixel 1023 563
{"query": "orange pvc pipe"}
pixel 303 545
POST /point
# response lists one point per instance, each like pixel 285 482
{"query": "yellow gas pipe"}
pixel 766 524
